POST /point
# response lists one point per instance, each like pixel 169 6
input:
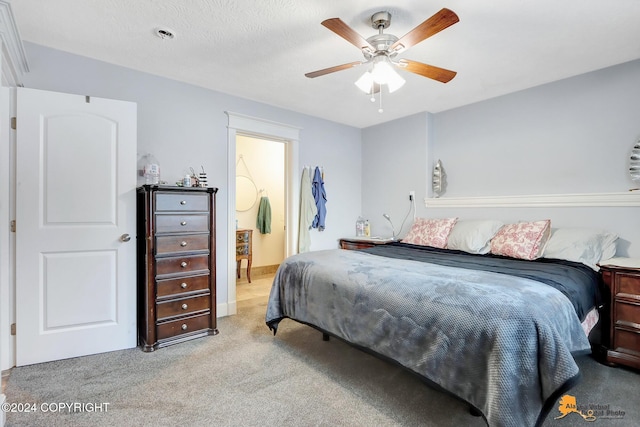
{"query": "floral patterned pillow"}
pixel 430 232
pixel 524 240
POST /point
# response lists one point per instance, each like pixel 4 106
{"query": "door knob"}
pixel 125 237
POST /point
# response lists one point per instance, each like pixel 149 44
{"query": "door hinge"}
pixel 13 329
pixel 13 226
pixel 13 123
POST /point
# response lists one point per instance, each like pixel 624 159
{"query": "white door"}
pixel 75 206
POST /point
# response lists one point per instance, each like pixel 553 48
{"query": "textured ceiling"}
pixel 260 50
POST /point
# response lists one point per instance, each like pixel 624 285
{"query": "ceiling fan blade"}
pixel 429 71
pixel 438 22
pixel 329 70
pixel 339 27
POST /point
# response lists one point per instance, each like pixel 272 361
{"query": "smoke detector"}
pixel 165 33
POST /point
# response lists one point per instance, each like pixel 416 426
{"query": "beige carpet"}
pixel 247 377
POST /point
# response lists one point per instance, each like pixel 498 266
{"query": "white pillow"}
pixel 585 245
pixel 473 235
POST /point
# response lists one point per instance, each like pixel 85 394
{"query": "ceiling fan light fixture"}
pixel 395 82
pixel 365 82
pixel 383 73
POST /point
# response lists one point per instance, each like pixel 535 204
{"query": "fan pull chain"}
pixel 380 110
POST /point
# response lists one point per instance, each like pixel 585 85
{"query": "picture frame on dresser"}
pixel 176 268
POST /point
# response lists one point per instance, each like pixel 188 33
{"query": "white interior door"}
pixel 75 204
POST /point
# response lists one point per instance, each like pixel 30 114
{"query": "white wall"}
pixel 570 136
pixel 185 125
pixel 394 159
pixel 566 137
pixel 265 163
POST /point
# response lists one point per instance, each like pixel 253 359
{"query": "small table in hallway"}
pixel 243 250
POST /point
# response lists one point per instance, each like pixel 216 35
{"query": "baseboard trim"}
pixel 258 271
pixel 620 199
pixel 226 309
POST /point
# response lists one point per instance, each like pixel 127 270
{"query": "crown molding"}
pixel 14 58
pixel 626 199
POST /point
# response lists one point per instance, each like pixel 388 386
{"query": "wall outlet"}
pixel 412 195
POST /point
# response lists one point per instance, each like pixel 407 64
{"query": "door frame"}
pixel 239 124
pixel 7 237
pixel 13 67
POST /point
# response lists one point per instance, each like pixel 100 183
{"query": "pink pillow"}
pixel 430 232
pixel 524 240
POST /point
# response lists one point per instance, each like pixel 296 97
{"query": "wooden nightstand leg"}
pixel 238 267
pixel 249 269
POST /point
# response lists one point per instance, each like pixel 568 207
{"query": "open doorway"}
pixel 260 213
pixel 289 136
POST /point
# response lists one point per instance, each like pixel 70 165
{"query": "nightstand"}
pixel 622 279
pixel 364 242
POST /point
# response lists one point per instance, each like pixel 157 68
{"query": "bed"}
pixel 497 332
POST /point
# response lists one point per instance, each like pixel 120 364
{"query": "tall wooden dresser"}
pixel 176 264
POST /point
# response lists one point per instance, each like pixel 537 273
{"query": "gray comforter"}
pixel 501 343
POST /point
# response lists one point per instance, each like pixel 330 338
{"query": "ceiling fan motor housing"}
pixel 381 42
pixel 380 19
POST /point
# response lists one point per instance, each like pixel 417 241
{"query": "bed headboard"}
pixel 615 212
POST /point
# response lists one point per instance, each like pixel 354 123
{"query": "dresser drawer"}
pixel 182 202
pixel 177 244
pixel 182 306
pixel 628 284
pixel 181 265
pixel 242 249
pixel 172 287
pixel 627 341
pixel 183 326
pixel 181 223
pixel 627 313
pixel 242 236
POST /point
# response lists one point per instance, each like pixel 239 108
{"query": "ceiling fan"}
pixel 381 50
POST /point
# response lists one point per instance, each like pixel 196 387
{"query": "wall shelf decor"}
pixel 439 183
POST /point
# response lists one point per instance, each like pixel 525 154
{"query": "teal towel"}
pixel 263 220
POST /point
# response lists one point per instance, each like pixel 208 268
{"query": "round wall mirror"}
pixel 246 193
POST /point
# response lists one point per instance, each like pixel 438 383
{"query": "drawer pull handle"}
pixel 183 243
pixel 183 202
pixel 183 285
pixel 184 326
pixel 184 306
pixel 183 264
pixel 183 223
